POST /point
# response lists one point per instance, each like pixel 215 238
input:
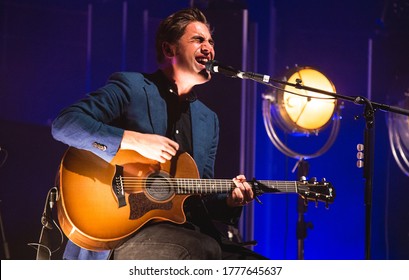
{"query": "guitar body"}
pixel 89 211
pixel 100 204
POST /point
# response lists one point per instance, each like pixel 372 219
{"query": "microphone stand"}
pixel 369 115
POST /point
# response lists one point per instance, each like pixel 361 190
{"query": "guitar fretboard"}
pixel 212 186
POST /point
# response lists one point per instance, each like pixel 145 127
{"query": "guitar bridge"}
pixel 118 186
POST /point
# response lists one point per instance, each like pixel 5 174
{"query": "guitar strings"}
pixel 166 185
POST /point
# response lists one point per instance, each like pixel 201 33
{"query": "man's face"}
pixel 192 51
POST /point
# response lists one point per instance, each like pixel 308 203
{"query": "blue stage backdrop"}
pixel 54 52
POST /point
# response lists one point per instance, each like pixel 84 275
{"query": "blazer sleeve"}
pixel 88 124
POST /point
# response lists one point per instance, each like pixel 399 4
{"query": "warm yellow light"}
pixel 306 111
pixel 300 111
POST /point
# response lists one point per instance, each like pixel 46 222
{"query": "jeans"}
pixel 73 252
pixel 167 241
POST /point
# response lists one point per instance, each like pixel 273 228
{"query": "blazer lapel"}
pixel 156 110
pixel 199 135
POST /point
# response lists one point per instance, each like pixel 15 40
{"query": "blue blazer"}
pixel 131 101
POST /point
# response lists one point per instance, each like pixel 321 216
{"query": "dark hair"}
pixel 173 27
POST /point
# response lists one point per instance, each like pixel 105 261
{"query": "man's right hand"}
pixel 151 146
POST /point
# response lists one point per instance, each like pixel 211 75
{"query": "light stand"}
pixel 302 225
pixel 304 114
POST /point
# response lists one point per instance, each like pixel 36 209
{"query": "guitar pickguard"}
pixel 140 205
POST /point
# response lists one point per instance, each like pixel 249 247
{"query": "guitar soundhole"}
pixel 158 187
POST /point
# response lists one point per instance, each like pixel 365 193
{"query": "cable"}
pixel 48 223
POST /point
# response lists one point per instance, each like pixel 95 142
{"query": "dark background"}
pixel 53 52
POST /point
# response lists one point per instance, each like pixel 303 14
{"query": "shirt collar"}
pixel 166 86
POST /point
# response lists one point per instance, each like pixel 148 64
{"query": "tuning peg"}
pixel 323 180
pixel 312 180
pixel 303 179
pixel 316 203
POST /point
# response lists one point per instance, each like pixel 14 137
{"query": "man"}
pixel 158 115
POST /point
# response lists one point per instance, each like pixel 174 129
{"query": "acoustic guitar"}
pixel 101 203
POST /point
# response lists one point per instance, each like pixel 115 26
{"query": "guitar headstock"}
pixel 316 191
pixel 309 190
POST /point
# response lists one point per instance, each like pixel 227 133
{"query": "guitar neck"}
pixel 270 186
pixel 214 186
pixel 202 186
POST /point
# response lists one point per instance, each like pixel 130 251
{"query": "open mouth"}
pixel 202 60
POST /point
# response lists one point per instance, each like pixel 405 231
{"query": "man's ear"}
pixel 168 49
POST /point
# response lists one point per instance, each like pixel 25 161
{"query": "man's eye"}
pixel 201 40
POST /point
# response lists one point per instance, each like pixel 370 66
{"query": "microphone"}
pixel 53 197
pixel 214 66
